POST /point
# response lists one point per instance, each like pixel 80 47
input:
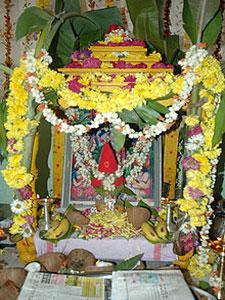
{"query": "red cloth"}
pixel 107 162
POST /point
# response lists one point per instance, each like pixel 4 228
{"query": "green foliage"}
pixel 147 114
pixel 158 107
pixel 130 116
pixel 152 210
pixel 145 16
pixel 128 264
pixel 33 19
pixel 117 139
pixel 220 122
pixel 212 30
pixel 197 15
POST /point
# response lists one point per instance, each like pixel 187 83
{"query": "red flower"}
pixel 119 181
pixel 114 27
pixel 96 182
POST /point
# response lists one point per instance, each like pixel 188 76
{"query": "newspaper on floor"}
pixel 42 286
pixel 150 285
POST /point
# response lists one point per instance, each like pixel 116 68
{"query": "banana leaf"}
pixel 196 16
pixel 212 30
pixel 33 19
pixel 145 16
pixel 80 31
pixel 220 122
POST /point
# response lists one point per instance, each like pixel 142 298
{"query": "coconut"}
pixel 80 259
pixel 52 261
pixel 9 291
pixel 137 215
pixel 16 275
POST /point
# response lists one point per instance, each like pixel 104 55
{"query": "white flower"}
pixel 27 231
pixel 17 206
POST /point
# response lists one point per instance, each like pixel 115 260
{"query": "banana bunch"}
pixel 155 233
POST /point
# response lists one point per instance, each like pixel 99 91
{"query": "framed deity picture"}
pixel 147 186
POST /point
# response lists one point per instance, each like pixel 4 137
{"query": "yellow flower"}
pixel 19 220
pixel 177 85
pixel 15 228
pixel 191 120
pixel 15 160
pixel 205 166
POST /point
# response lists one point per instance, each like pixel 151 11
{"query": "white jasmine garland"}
pixel 88 166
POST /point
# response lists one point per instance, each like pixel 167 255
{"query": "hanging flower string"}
pixel 200 164
pixel 18 126
pixel 88 167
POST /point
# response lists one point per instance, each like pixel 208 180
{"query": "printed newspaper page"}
pixel 42 286
pixel 146 285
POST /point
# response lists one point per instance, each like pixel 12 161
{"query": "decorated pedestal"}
pixel 110 249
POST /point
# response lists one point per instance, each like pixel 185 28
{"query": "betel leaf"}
pixel 147 114
pixel 33 19
pixel 212 30
pixel 128 264
pixel 196 16
pixel 130 116
pixel 220 122
pixel 158 107
pixel 117 139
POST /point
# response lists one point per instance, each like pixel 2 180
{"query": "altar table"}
pixel 110 249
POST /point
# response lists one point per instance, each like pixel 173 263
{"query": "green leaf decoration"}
pixel 128 264
pixel 203 285
pixel 59 5
pixel 127 204
pixel 147 21
pixel 220 122
pixel 158 107
pixel 196 16
pixel 64 44
pixel 146 114
pixel 127 191
pixel 79 31
pixel 130 116
pixel 73 5
pixel 44 36
pixel 117 139
pixel 152 210
pixel 212 30
pixel 33 19
pixel 172 46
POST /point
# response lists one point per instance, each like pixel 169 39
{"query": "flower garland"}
pixel 88 167
pixel 107 105
pixel 200 164
pixel 18 126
